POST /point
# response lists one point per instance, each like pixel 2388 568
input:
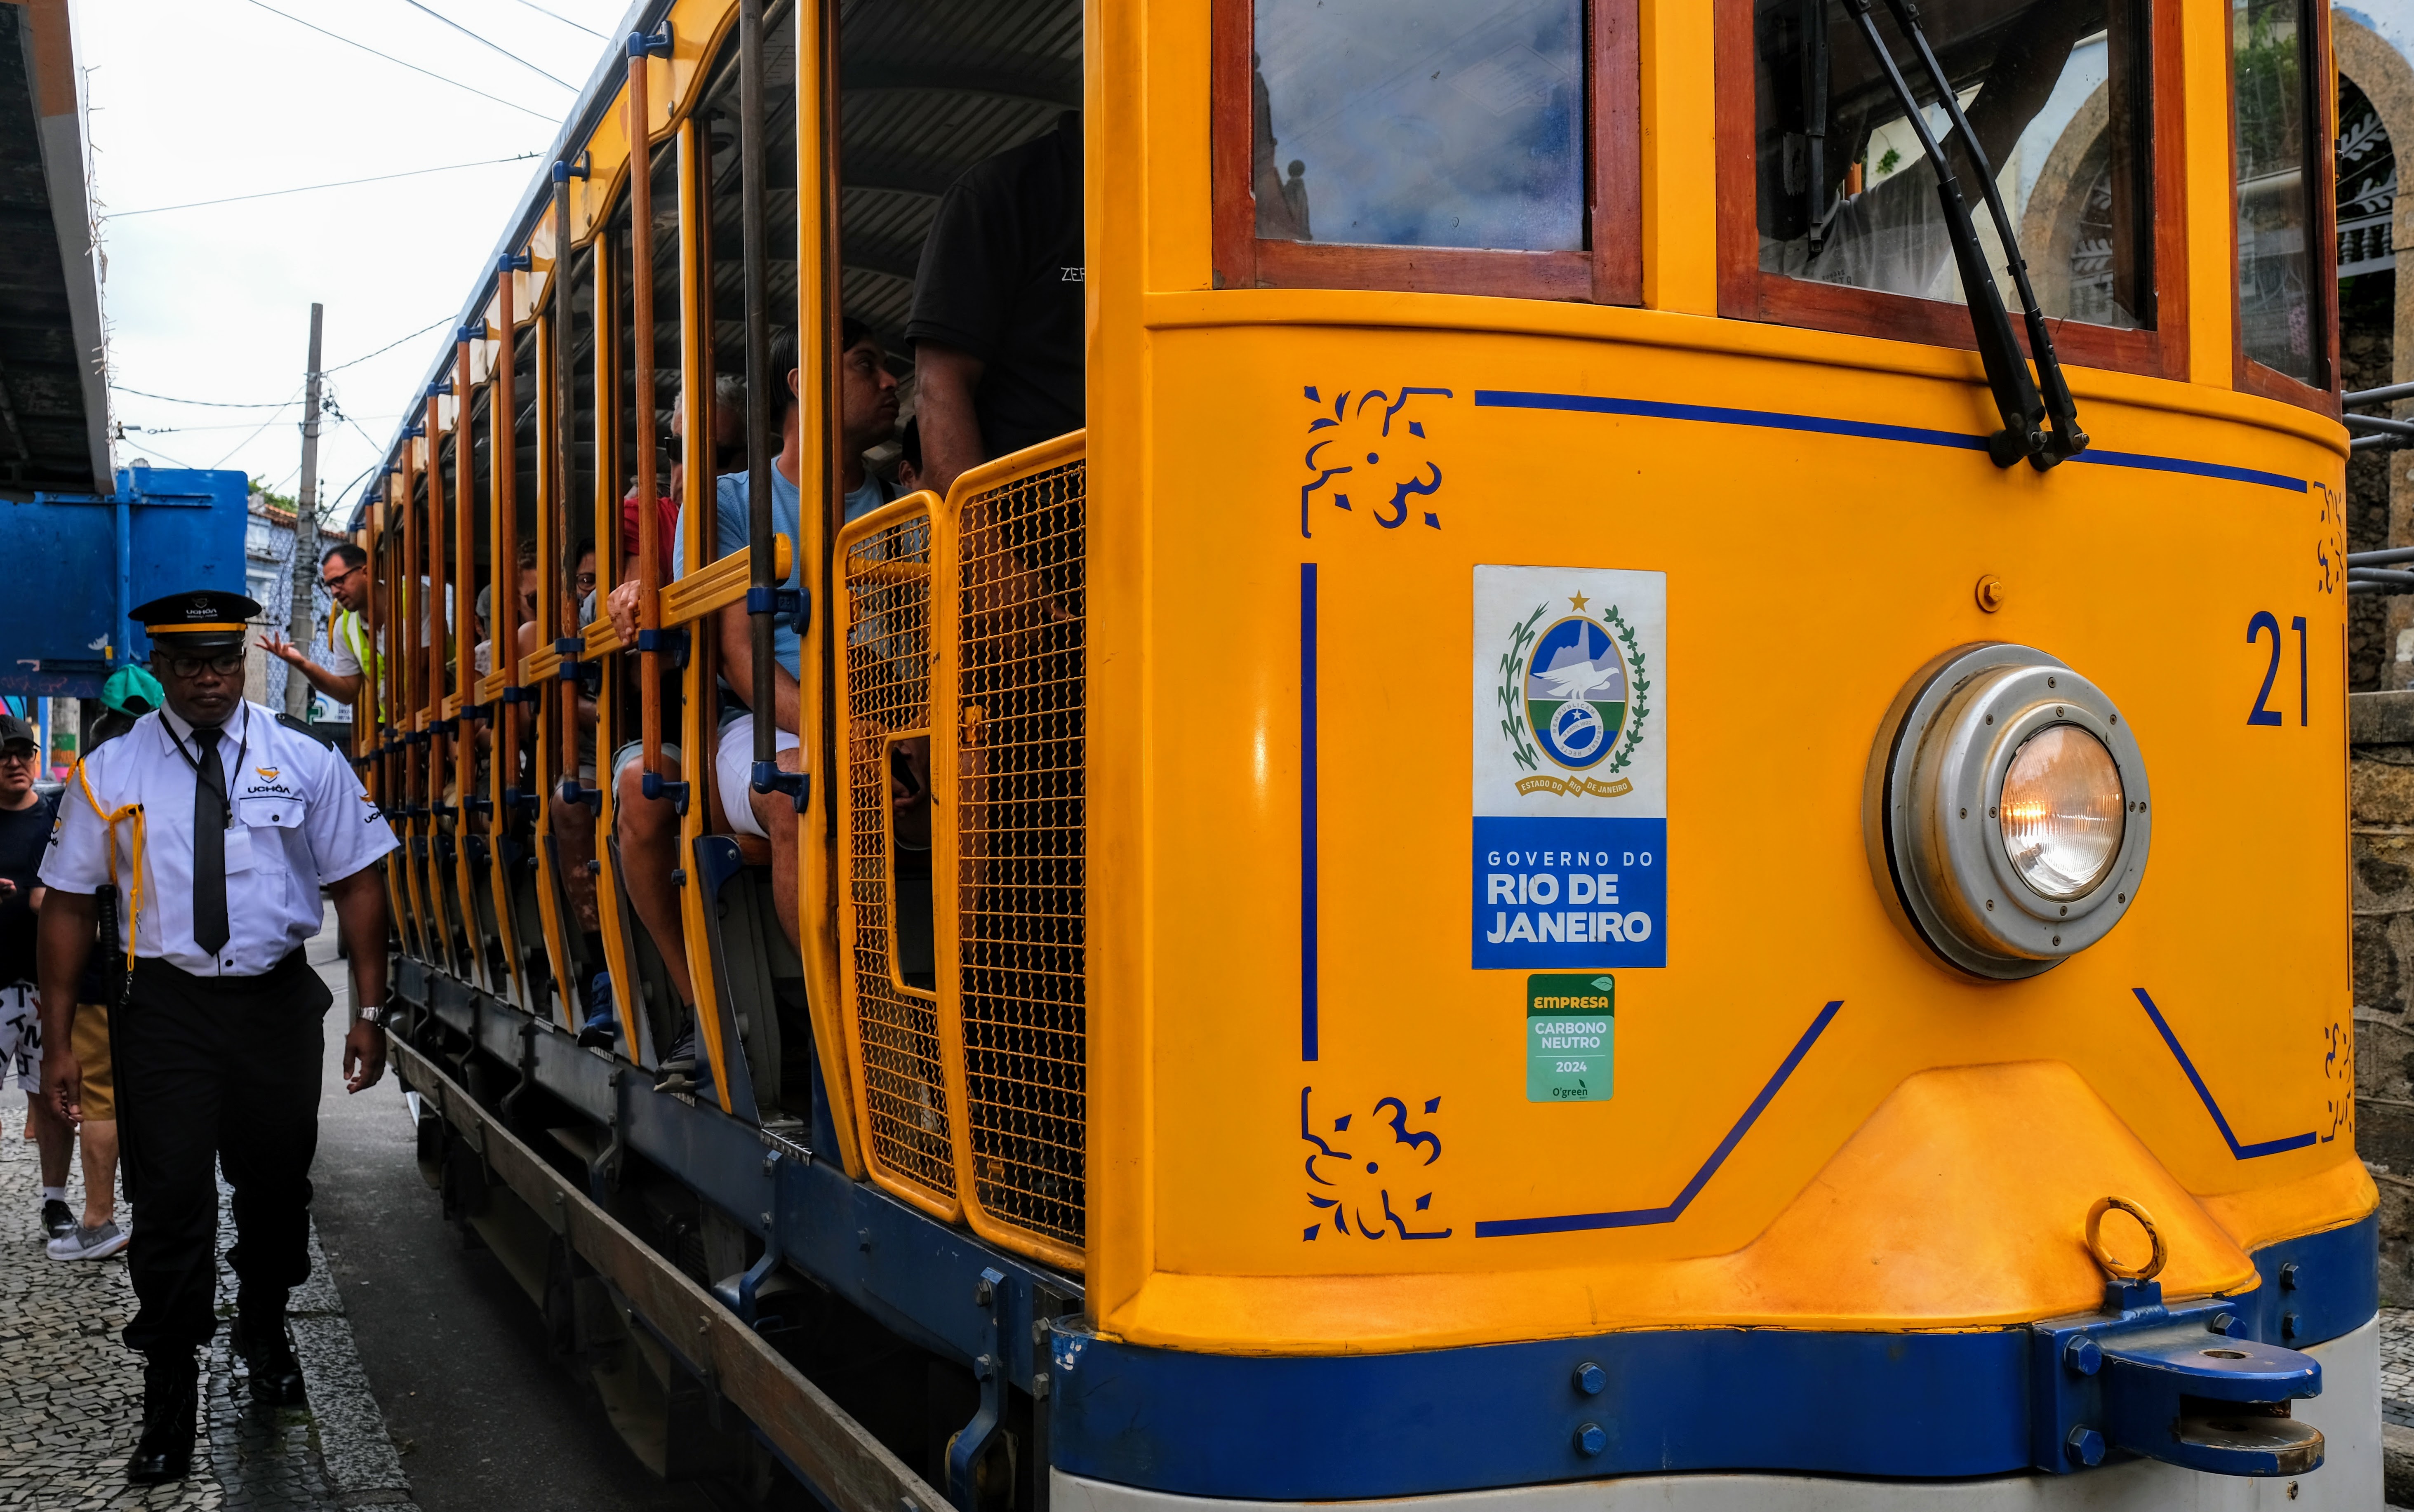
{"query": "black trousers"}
pixel 216 1070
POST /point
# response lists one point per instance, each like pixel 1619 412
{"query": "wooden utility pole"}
pixel 306 532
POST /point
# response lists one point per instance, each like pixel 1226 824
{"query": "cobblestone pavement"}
pixel 71 1394
pixel 2397 1366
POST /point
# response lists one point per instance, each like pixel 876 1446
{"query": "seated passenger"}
pixel 573 828
pixel 649 830
pixel 867 418
pixel 997 318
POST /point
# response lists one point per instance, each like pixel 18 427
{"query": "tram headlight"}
pixel 2061 811
pixel 2008 814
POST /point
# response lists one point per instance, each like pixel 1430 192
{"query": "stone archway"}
pixel 2054 227
pixel 2381 487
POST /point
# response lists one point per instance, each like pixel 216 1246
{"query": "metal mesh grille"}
pixel 1021 859
pixel 888 655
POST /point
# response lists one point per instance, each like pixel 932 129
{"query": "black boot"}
pixel 169 1398
pixel 268 1355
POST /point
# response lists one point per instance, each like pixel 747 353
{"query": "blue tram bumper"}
pixel 1743 1417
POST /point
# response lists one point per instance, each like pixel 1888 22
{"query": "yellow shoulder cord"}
pixel 133 813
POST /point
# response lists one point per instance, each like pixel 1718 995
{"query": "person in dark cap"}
pixel 238 817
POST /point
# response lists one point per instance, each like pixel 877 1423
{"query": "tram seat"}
pixel 657 1005
pixel 759 977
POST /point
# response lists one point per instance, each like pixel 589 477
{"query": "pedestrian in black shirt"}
pixel 997 325
pixel 24 829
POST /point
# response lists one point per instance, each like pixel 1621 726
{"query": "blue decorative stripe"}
pixel 1644 1217
pixel 2238 1152
pixel 1867 430
pixel 1307 857
pixel 2195 469
pixel 1928 1405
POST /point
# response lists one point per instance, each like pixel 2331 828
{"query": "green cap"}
pixel 133 690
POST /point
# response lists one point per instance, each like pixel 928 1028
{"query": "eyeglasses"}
pixel 29 756
pixel 226 664
pixel 344 576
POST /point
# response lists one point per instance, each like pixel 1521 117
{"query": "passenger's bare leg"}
pixel 574 839
pixel 777 813
pixel 53 1138
pixel 99 1138
pixel 649 855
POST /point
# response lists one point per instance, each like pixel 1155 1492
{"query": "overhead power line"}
pixel 207 404
pixel 399 340
pixel 256 434
pixel 564 19
pixel 491 47
pixel 308 188
pixel 391 58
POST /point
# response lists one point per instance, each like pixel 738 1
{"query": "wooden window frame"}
pixel 1746 293
pixel 1608 270
pixel 2321 229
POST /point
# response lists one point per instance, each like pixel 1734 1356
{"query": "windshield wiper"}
pixel 2067 440
pixel 2008 375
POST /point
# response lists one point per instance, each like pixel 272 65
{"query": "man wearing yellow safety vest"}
pixel 350 658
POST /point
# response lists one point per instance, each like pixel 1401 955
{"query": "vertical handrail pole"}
pixel 641 304
pixel 565 545
pixel 504 450
pixel 763 406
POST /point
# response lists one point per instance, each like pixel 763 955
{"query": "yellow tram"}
pixel 1573 848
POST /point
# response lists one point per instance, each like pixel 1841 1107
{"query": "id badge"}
pixel 238 849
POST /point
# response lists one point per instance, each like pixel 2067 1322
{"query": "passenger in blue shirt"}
pixel 649 831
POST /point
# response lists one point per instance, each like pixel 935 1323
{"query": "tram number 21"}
pixel 2265 622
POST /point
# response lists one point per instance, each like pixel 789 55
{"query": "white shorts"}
pixel 20 1037
pixel 732 770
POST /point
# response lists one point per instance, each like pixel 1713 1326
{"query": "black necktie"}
pixel 210 811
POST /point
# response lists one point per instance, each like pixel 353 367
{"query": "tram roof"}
pixel 1006 68
pixel 53 398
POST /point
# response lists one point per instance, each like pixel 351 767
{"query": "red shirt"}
pixel 668 512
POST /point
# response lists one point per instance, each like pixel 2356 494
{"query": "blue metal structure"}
pixel 88 559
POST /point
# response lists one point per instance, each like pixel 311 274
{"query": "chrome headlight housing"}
pixel 2006 811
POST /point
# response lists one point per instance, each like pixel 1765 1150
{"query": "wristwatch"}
pixel 374 1013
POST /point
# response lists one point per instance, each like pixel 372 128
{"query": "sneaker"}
pixel 58 1220
pixel 679 1067
pixel 598 1032
pixel 89 1243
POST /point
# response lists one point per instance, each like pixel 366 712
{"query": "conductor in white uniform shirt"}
pixel 235 818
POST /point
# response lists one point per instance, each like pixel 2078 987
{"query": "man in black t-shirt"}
pixel 24 830
pixel 997 325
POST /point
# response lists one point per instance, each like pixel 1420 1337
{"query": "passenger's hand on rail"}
pixel 364 1056
pixel 621 608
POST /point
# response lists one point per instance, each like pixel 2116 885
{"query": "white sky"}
pixel 195 99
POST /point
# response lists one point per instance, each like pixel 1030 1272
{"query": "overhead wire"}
pixel 307 188
pixel 493 47
pixel 564 19
pixel 255 435
pixel 389 346
pixel 207 404
pixel 391 58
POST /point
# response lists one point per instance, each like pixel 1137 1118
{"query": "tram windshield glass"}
pixel 1420 123
pixel 2057 92
pixel 2275 218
